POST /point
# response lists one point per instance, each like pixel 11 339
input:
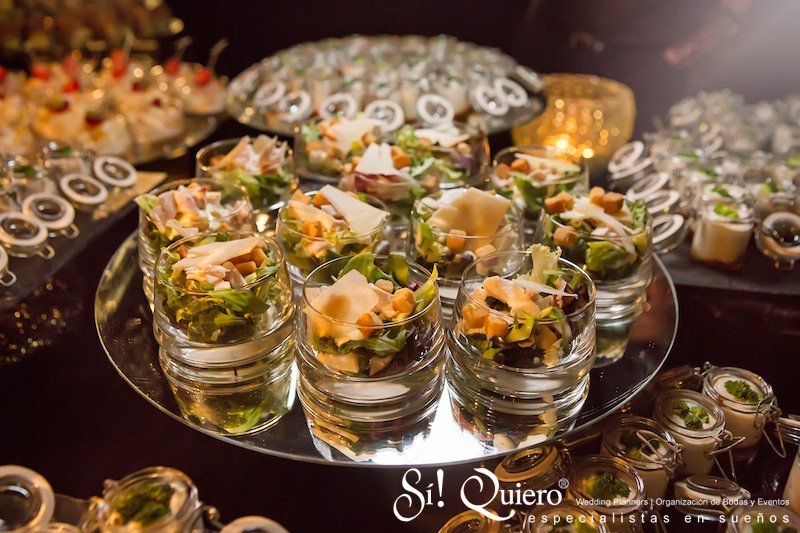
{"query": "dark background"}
pixel 66 413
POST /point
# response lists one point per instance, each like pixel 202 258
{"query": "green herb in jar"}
pixel 742 390
pixel 606 486
pixel 727 211
pixel 693 417
pixel 143 504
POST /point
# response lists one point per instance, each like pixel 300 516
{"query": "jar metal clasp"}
pixel 670 465
pixel 726 442
pixel 768 411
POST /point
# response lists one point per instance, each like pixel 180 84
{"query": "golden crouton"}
pixel 612 202
pixel 320 200
pixel 596 195
pixel 496 327
pixel 559 203
pixel 565 236
pixel 474 316
pixel 503 171
pixel 366 323
pixel 485 250
pixel 312 228
pixel 385 285
pixel 520 165
pixel 456 240
pixel 403 300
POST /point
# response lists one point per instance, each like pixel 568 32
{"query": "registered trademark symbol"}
pixel 563 483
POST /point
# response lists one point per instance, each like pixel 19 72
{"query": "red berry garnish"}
pixel 202 76
pixel 41 71
pixel 94 119
pixel 71 86
pixel 137 86
pixel 3 73
pixel 172 66
pixel 157 102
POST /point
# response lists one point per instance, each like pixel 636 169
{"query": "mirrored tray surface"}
pixel 124 324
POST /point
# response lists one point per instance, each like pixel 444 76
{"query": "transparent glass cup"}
pixel 227 354
pixel 720 241
pixel 621 295
pixel 528 191
pixel 516 397
pixel 360 415
pixel 238 216
pixel 304 253
pixel 267 192
pixel 451 254
pixel 462 165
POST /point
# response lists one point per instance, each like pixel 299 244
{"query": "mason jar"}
pixel 621 288
pixel 24 236
pixel 701 432
pixel 708 498
pixel 512 395
pixel 452 252
pixel 790 432
pixel 268 183
pixel 83 191
pixel 533 469
pixel 305 251
pixel 722 233
pixel 7 278
pixel 154 500
pixel 357 401
pixel 746 414
pixel 54 212
pixel 648 448
pixel 158 228
pixel 227 354
pixel 622 509
pixel 531 174
pixel 566 516
pixel 27 501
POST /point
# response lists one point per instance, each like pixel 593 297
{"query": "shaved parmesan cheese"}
pixel 377 159
pixel 230 156
pixel 510 293
pixel 309 213
pixel 346 362
pixel 445 136
pixel 478 213
pixel 558 165
pixel 596 212
pixel 334 312
pixel 216 253
pixel 539 287
pixel 362 217
pixel 346 132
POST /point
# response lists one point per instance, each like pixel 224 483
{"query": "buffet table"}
pixel 69 416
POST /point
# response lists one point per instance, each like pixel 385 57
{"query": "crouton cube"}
pixel 474 316
pixel 401 160
pixel 312 228
pixel 403 300
pixel 596 195
pixel 485 250
pixel 247 268
pixel 503 171
pixel 320 200
pixel 366 323
pixel 520 165
pixel 612 202
pixel 456 240
pixel 258 255
pixel 540 176
pixel 496 327
pixel 565 236
pixel 385 285
pixel 559 203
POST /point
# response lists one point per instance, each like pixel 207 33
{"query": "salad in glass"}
pixel 320 226
pixel 384 172
pixel 324 150
pixel 453 228
pixel 529 175
pixel 522 342
pixel 450 155
pixel 221 288
pixel 370 354
pixel 262 166
pixel 184 208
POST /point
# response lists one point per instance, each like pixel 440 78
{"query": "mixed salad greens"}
pixel 530 179
pixel 608 235
pixel 522 322
pixel 606 486
pixel 316 228
pixel 261 166
pixel 359 325
pixel 444 155
pixel 327 147
pixel 453 228
pixel 219 289
pixel 142 504
pixel 693 417
pixel 188 210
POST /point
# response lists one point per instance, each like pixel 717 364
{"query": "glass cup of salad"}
pixel 450 155
pixel 522 340
pixel 370 354
pixel 320 226
pixel 531 174
pixel 609 237
pixel 183 208
pixel 324 150
pixel 451 229
pixel 262 166
pixel 154 499
pixel 223 319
